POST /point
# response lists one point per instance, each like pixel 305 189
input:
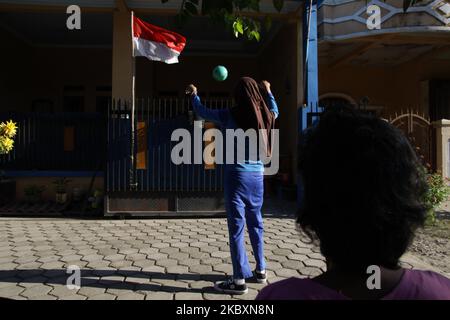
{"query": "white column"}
pixel 442 146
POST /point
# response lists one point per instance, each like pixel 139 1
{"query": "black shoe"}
pixel 260 277
pixel 230 287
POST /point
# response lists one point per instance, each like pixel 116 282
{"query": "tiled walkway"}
pixel 138 259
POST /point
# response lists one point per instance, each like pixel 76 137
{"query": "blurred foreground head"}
pixel 363 189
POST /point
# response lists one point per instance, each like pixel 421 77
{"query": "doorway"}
pixel 439 100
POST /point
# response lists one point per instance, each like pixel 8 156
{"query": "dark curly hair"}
pixel 362 189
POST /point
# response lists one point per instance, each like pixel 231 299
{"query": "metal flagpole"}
pixel 133 108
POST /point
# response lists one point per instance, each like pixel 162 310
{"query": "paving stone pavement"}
pixel 139 259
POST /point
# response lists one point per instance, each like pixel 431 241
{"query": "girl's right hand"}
pixel 191 90
pixel 266 85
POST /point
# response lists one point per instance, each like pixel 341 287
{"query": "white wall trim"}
pixel 424 29
pixel 356 16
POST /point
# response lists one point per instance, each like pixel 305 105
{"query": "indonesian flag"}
pixel 156 43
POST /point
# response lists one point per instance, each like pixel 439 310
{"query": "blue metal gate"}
pixel 145 181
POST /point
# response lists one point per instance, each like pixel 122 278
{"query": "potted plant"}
pixel 33 193
pixel 96 199
pixel 61 190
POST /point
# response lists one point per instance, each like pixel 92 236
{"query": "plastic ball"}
pixel 220 73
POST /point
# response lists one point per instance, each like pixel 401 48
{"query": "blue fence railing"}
pixel 72 141
pixel 158 118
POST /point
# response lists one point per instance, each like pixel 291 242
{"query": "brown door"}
pixel 439 99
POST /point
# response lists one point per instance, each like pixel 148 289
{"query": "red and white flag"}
pixel 156 43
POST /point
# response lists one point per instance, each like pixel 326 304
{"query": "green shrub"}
pixel 438 192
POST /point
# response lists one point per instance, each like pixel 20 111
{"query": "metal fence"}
pixel 155 120
pixel 418 129
pixel 56 141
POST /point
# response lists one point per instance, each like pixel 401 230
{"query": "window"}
pixel 439 100
pixel 73 104
pixel 73 99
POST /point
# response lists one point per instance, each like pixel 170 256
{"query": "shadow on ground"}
pixel 272 208
pixel 99 279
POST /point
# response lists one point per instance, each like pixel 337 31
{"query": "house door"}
pixel 439 100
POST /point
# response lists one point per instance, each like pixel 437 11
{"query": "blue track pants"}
pixel 244 193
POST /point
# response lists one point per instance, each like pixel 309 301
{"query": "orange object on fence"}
pixel 69 138
pixel 141 157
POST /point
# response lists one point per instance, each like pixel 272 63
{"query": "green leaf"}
pixel 278 4
pixel 227 12
pixel 238 27
pixel 236 33
pixel 254 34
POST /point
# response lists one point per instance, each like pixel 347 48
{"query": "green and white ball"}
pixel 220 73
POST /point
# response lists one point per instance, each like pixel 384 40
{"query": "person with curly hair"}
pixel 363 191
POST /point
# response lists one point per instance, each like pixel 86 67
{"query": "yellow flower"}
pixel 8 129
pixel 6 145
